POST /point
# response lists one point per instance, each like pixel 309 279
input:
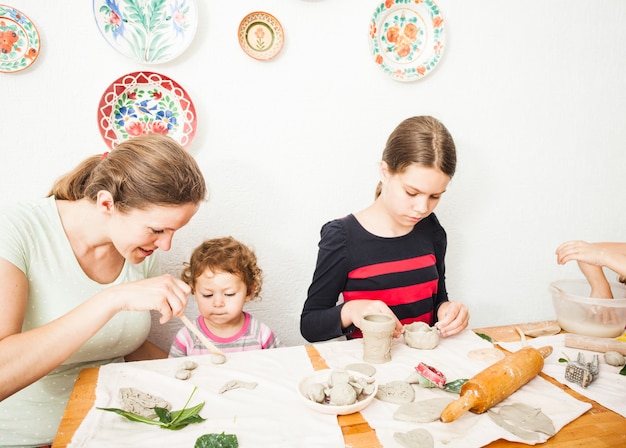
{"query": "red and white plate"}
pixel 146 102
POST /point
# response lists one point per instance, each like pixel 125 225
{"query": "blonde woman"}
pixel 78 276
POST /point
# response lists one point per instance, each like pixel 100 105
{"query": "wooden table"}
pixel 599 427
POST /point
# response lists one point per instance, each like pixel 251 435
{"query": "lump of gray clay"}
pixel 523 420
pixel 183 374
pixel 342 394
pixel 614 359
pixel 416 438
pixel 421 335
pixel 316 392
pixel 396 392
pixel 141 403
pixel 422 411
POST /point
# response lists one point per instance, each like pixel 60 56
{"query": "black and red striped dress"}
pixel 406 272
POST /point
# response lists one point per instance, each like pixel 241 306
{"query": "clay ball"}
pixel 614 359
pixel 342 394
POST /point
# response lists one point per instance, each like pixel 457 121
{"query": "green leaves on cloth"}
pixel 173 420
pixel 217 441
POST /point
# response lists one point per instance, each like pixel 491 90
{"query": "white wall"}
pixel 533 92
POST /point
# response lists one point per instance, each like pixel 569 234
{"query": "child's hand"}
pixel 354 310
pixel 453 317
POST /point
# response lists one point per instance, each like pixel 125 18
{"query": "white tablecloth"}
pixel 272 414
pixel 450 357
pixel 608 389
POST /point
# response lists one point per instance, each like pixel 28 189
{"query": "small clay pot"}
pixel 377 332
pixel 421 335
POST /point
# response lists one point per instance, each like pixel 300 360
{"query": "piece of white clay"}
pixel 614 359
pixel 183 374
pixel 416 438
pixel 422 411
pixel 189 365
pixel 217 358
pixel 420 335
pixel 396 392
pixel 488 355
pixel 236 384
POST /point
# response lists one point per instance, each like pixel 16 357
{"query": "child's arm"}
pixel 611 255
pixel 600 287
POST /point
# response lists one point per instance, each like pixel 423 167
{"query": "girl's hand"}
pixel 453 317
pixel 354 310
pixel 164 294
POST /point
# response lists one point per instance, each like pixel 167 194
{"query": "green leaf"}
pixel 455 386
pixel 163 414
pixel 623 371
pixel 485 337
pixel 565 358
pixel 217 441
pixel 133 417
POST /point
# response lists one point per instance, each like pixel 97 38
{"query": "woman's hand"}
pixel 164 294
pixel 354 310
pixel 452 318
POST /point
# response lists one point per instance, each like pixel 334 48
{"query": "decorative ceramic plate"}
pixel 407 38
pixel 149 31
pixel 261 35
pixel 142 103
pixel 19 40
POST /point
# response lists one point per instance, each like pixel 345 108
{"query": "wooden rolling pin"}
pixel 594 344
pixel 496 382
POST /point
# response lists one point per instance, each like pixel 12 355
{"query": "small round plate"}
pixel 407 38
pixel 19 40
pixel 261 35
pixel 151 32
pixel 146 102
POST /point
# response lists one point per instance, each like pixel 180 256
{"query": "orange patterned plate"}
pixel 407 38
pixel 19 40
pixel 261 35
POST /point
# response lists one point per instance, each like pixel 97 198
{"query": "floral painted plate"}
pixel 407 38
pixel 146 102
pixel 261 35
pixel 149 31
pixel 19 40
